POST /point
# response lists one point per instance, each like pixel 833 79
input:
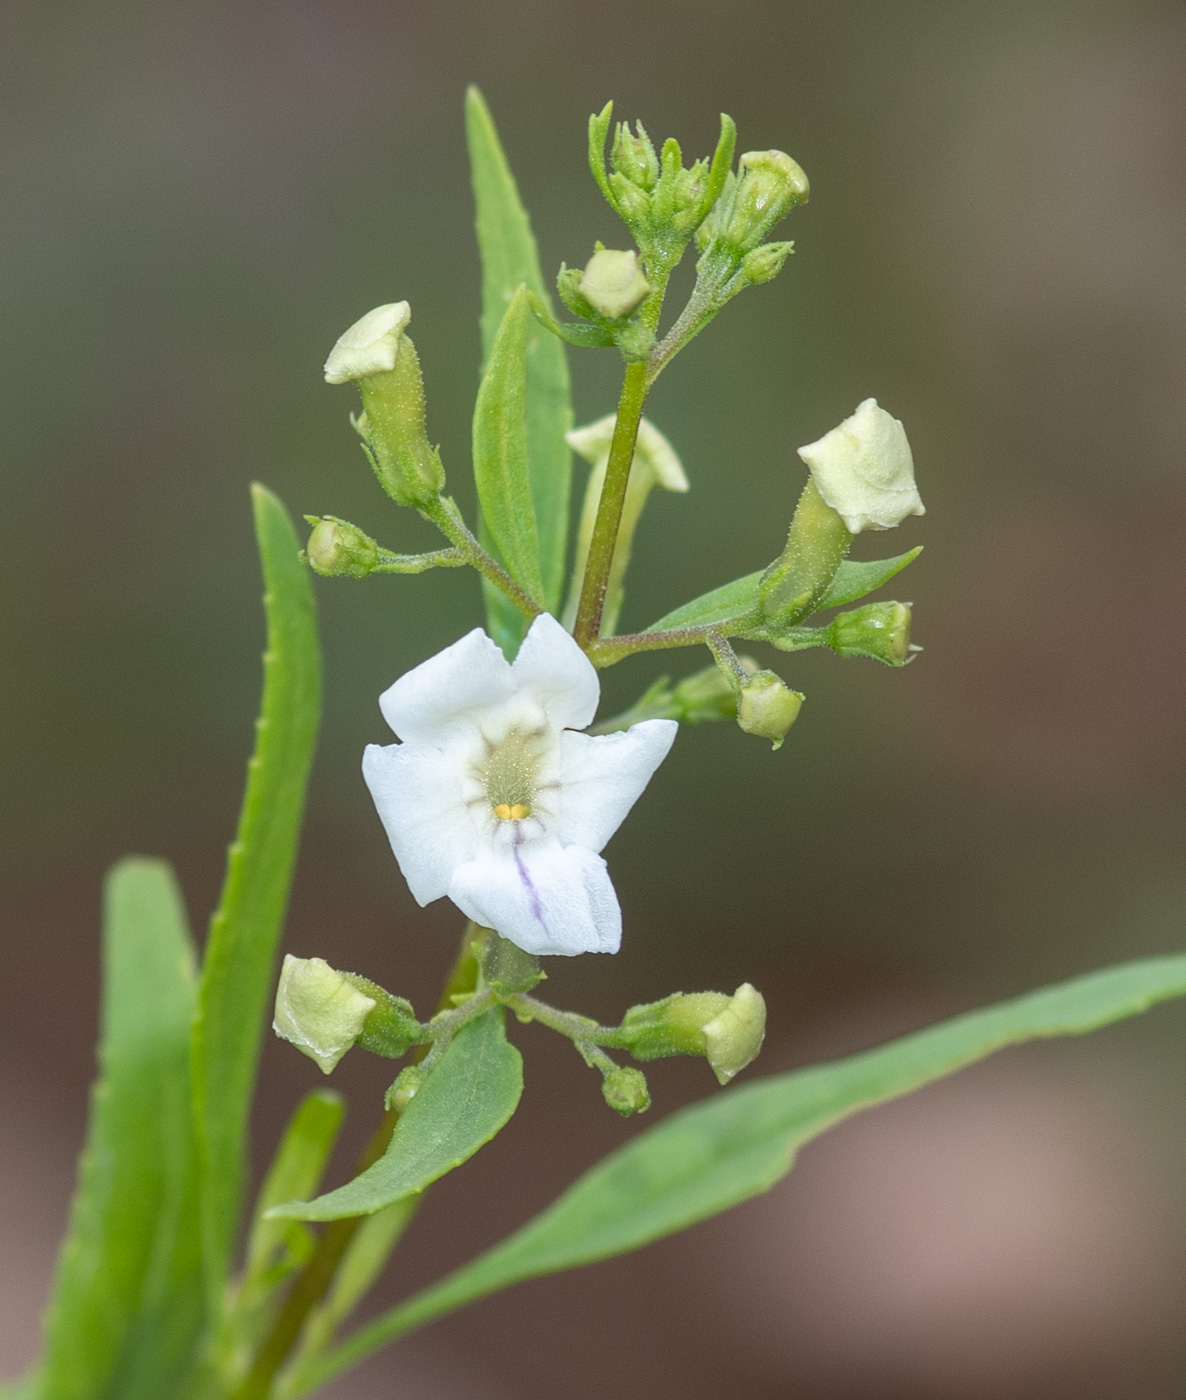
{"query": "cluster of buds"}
pixel 659 201
pixel 324 1013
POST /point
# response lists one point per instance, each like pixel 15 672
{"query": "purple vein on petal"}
pixel 532 893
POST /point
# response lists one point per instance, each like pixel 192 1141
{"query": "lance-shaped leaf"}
pixel 509 258
pixel 466 1099
pixel 854 578
pixel 714 1155
pixel 241 949
pixel 500 449
pixel 127 1304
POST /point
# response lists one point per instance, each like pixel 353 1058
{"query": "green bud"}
pixel 768 187
pixel 338 549
pixel 318 1010
pixel 880 631
pixel 726 1030
pixel 634 158
pixel 767 707
pixel 613 283
pixel 404 1090
pixel 765 262
pixel 377 354
pixel 625 1090
pixel 735 1035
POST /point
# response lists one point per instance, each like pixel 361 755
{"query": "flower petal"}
pixel 417 792
pixel 427 703
pixel 544 897
pixel 602 777
pixel 552 670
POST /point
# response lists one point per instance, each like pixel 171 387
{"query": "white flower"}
pixel 864 470
pixel 370 345
pixel 494 800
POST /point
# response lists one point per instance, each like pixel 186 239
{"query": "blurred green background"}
pixel 197 200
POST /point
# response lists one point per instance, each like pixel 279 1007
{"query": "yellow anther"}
pixel 511 811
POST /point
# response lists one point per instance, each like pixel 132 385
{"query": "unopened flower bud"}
pixel 767 707
pixel 376 352
pixel 337 548
pixel 864 470
pixel 625 1090
pixel 768 187
pixel 613 283
pixel 726 1030
pixel 319 1010
pixel 405 1088
pixel 370 346
pixel 634 158
pixel 734 1036
pixel 765 262
pixel 880 631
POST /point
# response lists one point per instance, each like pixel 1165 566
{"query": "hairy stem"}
pixel 608 651
pixel 447 518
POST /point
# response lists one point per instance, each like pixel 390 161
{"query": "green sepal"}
pixel 391 1029
pixel 598 130
pixel 507 969
pixel 800 578
pixel 672 1026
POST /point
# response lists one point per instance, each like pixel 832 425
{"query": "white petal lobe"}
pixel 603 776
pixel 427 703
pixel 545 898
pixel 419 800
pixel 558 673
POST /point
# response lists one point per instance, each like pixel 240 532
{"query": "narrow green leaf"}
pixel 500 449
pixel 714 1155
pixel 296 1170
pixel 276 1248
pixel 509 258
pixel 364 1261
pixel 466 1100
pixel 854 578
pixel 127 1304
pixel 241 949
pixel 730 600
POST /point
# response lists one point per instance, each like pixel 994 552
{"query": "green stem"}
pixel 608 651
pixel 579 1029
pixel 447 518
pixel 609 509
pixel 314 1280
pixel 390 563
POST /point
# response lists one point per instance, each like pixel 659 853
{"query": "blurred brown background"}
pixel 198 198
